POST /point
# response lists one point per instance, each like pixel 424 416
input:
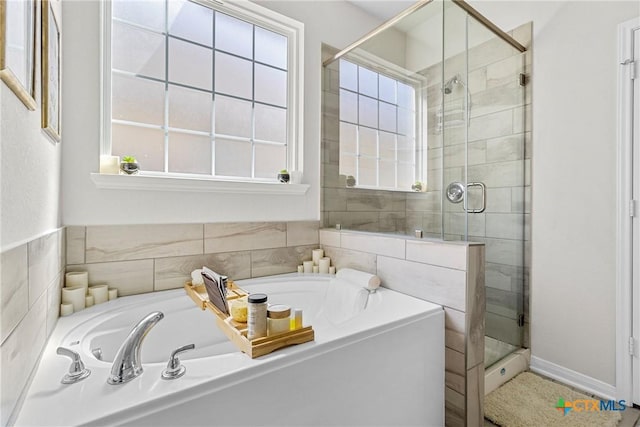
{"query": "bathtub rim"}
pixel 250 368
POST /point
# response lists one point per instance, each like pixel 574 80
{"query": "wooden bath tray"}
pixel 237 332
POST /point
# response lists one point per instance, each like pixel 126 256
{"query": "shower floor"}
pixel 495 350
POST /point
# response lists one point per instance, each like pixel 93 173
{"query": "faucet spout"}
pixel 127 364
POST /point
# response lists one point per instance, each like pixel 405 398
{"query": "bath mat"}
pixel 529 400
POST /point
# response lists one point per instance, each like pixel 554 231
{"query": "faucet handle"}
pixel 174 368
pixel 77 371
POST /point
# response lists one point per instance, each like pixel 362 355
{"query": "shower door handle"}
pixel 484 197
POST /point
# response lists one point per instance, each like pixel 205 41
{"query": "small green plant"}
pixel 129 159
pixel 284 171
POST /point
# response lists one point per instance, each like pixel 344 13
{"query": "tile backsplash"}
pixel 144 258
pixel 31 279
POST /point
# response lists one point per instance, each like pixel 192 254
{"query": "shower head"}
pixel 455 80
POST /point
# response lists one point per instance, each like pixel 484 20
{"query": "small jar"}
pixel 256 316
pixel 295 321
pixel 278 319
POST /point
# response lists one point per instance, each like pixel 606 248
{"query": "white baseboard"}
pixel 573 378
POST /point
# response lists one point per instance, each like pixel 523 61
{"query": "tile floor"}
pixel 630 417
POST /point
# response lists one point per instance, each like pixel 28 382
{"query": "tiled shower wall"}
pixel 447 273
pixel 144 258
pixel 498 153
pixel 32 276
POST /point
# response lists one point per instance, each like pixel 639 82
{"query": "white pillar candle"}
pixel 77 278
pixel 88 301
pixel 308 266
pixel 110 165
pixel 74 296
pixel 100 293
pixel 301 269
pixel 316 254
pixel 316 269
pixel 332 270
pixel 323 265
pixel 113 294
pixel 66 309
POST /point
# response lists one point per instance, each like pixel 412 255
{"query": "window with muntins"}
pixel 377 128
pixel 196 88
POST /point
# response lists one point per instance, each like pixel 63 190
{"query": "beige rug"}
pixel 531 401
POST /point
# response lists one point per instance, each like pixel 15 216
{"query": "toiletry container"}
pixel 295 321
pixel 278 319
pixel 256 316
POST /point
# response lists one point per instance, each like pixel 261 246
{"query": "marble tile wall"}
pixel 30 283
pixel 447 273
pixel 145 258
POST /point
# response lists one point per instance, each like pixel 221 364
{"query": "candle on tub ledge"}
pixel 332 270
pixel 100 293
pixel 88 301
pixel 301 269
pixel 113 294
pixel 76 278
pixel 75 297
pixel 110 165
pixel 66 309
pixel 324 264
pixel 308 266
pixel 316 269
pixel 316 254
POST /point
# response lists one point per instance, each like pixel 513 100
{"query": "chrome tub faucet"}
pixel 127 364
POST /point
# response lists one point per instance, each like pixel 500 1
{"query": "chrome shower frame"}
pixel 419 5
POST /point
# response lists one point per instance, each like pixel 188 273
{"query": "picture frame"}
pixel 51 68
pixel 17 49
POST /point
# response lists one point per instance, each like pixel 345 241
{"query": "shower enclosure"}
pixel 425 132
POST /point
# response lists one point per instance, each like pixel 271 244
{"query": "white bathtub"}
pixel 384 366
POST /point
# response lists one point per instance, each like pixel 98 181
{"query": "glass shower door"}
pixel 484 136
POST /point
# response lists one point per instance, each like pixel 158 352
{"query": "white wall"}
pixel 573 178
pixel 335 23
pixel 29 171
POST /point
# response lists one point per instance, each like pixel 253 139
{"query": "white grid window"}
pixel 377 128
pixel 198 89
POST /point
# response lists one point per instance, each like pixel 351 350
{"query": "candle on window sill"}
pixel 110 165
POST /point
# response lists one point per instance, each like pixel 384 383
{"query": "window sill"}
pixel 196 185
